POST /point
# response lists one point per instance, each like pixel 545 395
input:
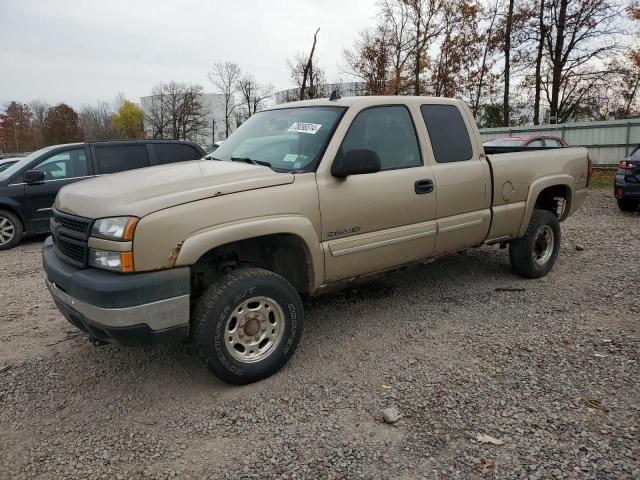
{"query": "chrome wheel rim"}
pixel 543 245
pixel 254 329
pixel 7 230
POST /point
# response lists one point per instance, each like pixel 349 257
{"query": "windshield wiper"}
pixel 250 160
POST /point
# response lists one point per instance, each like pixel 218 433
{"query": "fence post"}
pixel 626 143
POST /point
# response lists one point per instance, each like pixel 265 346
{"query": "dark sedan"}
pixel 627 184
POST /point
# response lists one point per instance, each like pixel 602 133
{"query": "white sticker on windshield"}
pixel 290 157
pixel 302 127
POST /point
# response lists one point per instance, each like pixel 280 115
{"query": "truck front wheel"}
pixel 247 325
pixel 534 254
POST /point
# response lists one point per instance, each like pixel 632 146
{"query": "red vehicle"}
pixel 528 141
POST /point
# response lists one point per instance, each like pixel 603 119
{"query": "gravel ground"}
pixel 548 372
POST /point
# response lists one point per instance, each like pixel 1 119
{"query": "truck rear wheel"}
pixel 534 254
pixel 247 325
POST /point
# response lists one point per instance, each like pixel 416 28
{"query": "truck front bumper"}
pixel 115 308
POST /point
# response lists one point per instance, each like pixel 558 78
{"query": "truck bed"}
pixel 522 174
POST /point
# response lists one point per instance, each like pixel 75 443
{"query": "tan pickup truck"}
pixel 301 197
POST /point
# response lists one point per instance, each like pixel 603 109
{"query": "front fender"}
pixel 203 241
pixel 561 179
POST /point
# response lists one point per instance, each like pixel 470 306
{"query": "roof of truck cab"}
pixel 366 101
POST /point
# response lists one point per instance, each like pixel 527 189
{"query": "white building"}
pixel 214 105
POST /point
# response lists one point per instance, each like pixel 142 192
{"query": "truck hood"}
pixel 146 190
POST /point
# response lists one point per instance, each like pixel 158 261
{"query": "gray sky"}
pixel 80 51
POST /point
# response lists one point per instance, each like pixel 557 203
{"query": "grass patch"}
pixel 602 178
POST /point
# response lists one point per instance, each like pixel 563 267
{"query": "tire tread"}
pixel 520 248
pixel 208 301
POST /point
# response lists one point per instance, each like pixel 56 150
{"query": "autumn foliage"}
pixel 27 127
pixel 511 61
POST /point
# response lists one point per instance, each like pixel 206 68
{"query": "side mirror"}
pixel 356 162
pixel 32 177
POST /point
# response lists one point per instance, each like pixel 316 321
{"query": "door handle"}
pixel 424 186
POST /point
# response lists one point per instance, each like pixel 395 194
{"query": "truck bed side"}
pixel 524 179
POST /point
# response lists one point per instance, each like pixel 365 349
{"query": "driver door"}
pixel 372 222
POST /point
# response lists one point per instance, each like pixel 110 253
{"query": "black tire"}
pixel 627 205
pixel 10 223
pixel 524 251
pixel 214 313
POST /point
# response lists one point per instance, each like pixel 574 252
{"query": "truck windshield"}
pixel 288 139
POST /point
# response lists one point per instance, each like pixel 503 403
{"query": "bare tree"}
pixel 507 63
pixel 224 77
pixel 95 122
pixel 369 59
pixel 315 79
pixel 39 108
pixel 489 43
pixel 539 52
pixel 176 110
pixel 156 113
pixel 455 67
pixel 580 35
pixel 307 69
pixel 425 21
pixel 252 95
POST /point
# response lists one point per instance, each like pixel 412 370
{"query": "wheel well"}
pixel 10 209
pixel 284 254
pixel 556 199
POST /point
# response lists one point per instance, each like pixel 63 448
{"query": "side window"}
pixel 389 131
pixel 552 142
pixel 174 152
pixel 69 164
pixel 448 133
pixel 121 158
pixel 536 143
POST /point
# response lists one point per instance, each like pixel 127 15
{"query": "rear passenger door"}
pixel 462 179
pixel 173 152
pixel 119 158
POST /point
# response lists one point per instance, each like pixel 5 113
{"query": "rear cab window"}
pixel 448 133
pixel 174 152
pixel 113 159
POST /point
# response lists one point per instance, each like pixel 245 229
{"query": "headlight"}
pixel 115 228
pixel 116 261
